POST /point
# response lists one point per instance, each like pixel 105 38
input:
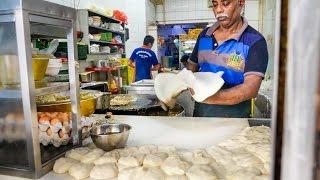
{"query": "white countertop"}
pixel 182 132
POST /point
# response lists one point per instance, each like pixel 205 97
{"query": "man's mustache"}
pixel 222 15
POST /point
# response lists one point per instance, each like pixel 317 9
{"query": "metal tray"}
pixel 259 122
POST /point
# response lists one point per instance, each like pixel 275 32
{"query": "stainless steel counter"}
pixel 181 132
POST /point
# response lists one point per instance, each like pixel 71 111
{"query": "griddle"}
pixel 145 105
pixel 137 107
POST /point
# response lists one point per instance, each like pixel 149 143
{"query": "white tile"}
pixel 192 15
pixel 252 10
pixel 254 24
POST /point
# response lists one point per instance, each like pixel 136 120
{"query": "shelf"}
pixel 105 42
pixel 104 69
pixel 106 30
pixel 53 87
pixel 103 53
pixel 111 19
pixel 10 94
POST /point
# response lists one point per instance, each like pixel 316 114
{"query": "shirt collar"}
pixel 237 36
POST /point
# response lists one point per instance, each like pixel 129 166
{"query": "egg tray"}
pixel 54 128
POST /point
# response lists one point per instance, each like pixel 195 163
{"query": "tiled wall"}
pixel 136 11
pixel 84 4
pixel 195 11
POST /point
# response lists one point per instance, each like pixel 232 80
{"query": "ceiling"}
pixel 157 2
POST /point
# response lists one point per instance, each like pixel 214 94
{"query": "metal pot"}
pixel 103 102
pixel 110 136
pixel 86 77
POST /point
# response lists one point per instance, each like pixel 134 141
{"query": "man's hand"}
pixel 248 90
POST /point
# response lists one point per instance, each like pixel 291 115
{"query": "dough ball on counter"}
pixel 245 159
pixel 127 174
pixel 155 159
pixel 167 149
pixel 186 155
pixel 132 161
pixel 77 153
pixel 108 157
pixel 91 156
pixel 173 165
pixel 147 149
pixel 104 171
pixel 201 172
pixel 200 156
pixel 177 177
pixel 128 151
pixel 63 165
pixel 148 174
pixel 241 175
pixel 80 170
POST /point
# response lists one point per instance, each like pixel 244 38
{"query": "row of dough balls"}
pixel 147 162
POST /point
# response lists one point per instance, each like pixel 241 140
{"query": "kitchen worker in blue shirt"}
pixel 144 60
pixel 237 49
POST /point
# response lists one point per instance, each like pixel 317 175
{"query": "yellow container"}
pixel 131 75
pixel 39 66
pixel 87 107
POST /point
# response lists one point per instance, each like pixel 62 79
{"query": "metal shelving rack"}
pixel 83 24
pixel 24 19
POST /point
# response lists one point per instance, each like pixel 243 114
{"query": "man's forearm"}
pixel 237 94
pixel 230 96
pixel 155 68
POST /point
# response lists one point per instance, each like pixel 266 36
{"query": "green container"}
pixel 106 36
pixel 63 50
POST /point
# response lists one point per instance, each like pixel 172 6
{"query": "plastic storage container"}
pixel 39 66
pixel 54 67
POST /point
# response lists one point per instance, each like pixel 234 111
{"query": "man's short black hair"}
pixel 148 39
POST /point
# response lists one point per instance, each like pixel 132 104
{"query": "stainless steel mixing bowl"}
pixel 110 136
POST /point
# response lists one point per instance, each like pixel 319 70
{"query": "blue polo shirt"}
pixel 243 54
pixel 144 59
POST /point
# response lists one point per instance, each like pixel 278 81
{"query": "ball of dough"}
pixel 80 171
pixel 128 151
pixel 155 159
pixel 200 172
pixel 167 149
pixel 200 156
pixel 148 174
pixel 104 171
pixel 132 161
pixel 92 156
pixel 173 165
pixel 147 149
pixel 63 165
pixel 77 153
pixel 177 177
pixel 186 155
pixel 109 157
pixel 127 174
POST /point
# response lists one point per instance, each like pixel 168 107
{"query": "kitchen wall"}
pixel 196 11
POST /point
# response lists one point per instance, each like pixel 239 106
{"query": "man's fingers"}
pixel 191 91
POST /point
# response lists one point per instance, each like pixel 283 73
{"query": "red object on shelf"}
pixel 103 69
pixel 121 16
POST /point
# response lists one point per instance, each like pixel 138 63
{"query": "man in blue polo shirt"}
pixel 144 60
pixel 237 49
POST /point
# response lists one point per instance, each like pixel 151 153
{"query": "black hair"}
pixel 148 39
pixel 184 58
